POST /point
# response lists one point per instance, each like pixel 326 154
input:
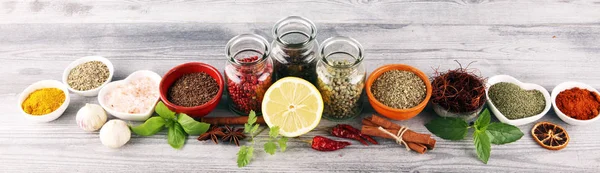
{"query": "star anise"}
pixel 214 133
pixel 233 135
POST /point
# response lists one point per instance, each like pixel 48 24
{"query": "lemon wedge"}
pixel 294 105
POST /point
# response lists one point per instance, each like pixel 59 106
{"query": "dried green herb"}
pixel 87 76
pixel 515 102
pixel 399 89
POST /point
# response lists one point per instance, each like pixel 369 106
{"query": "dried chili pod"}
pixel 339 131
pixel 354 130
pixel 321 143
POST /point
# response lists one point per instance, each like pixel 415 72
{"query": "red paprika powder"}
pixel 578 103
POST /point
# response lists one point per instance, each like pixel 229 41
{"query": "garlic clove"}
pixel 91 117
pixel 115 133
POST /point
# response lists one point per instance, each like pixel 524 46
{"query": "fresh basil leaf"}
pixel 169 123
pixel 274 132
pixel 191 126
pixel 270 147
pixel 244 156
pixel 500 133
pixel 150 127
pixel 483 146
pixel 282 143
pixel 252 117
pixel 448 128
pixel 483 121
pixel 176 136
pixel 162 110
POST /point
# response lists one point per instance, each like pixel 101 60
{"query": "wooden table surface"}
pixel 542 42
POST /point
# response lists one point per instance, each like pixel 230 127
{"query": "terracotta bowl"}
pixel 191 67
pixel 393 113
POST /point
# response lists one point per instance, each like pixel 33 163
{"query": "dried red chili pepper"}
pixel 321 143
pixel 339 131
pixel 354 130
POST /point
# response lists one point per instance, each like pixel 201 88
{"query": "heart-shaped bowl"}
pixel 95 91
pixel 187 68
pixel 124 115
pixel 40 85
pixel 526 86
pixel 565 86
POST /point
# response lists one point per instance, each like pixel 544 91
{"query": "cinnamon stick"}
pixel 241 120
pixel 419 148
pixel 408 136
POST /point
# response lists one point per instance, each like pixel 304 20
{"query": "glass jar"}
pixel 248 72
pixel 341 78
pixel 294 48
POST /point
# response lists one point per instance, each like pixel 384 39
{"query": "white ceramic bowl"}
pixel 127 116
pixel 526 86
pixel 40 85
pixel 565 86
pixel 92 92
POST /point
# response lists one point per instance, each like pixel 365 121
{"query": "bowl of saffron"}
pixel 44 101
pixel 576 103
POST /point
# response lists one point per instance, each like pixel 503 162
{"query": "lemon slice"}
pixel 294 105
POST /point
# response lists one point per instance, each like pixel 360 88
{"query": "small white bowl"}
pixel 565 86
pixel 127 116
pixel 40 85
pixel 92 92
pixel 526 86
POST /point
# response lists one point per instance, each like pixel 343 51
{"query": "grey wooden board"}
pixel 543 42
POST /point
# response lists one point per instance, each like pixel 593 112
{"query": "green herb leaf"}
pixel 162 110
pixel 274 132
pixel 254 129
pixel 247 128
pixel 169 123
pixel 483 121
pixel 500 133
pixel 244 156
pixel 270 147
pixel 448 128
pixel 150 127
pixel 483 146
pixel 282 143
pixel 191 126
pixel 252 117
pixel 176 136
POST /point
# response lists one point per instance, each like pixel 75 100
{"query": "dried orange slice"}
pixel 550 136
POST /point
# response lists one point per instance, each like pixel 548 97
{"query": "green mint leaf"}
pixel 191 126
pixel 274 132
pixel 254 129
pixel 150 127
pixel 162 110
pixel 500 133
pixel 252 117
pixel 244 155
pixel 483 146
pixel 448 128
pixel 176 136
pixel 483 121
pixel 270 147
pixel 282 143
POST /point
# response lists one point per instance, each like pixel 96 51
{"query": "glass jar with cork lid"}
pixel 294 48
pixel 341 78
pixel 248 72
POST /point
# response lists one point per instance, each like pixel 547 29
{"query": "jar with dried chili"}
pixel 248 71
pixel 341 77
pixel 294 48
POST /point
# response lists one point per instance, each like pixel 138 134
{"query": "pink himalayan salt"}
pixel 137 96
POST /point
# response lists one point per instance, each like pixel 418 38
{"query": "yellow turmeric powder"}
pixel 43 101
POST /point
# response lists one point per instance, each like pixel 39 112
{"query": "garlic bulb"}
pixel 115 133
pixel 91 117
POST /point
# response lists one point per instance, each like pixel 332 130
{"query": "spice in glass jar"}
pixel 193 89
pixel 294 49
pixel 248 72
pixel 399 89
pixel 341 78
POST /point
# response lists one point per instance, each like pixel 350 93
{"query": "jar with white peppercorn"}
pixel 341 78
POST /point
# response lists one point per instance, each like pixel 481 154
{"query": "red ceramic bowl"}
pixel 192 67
